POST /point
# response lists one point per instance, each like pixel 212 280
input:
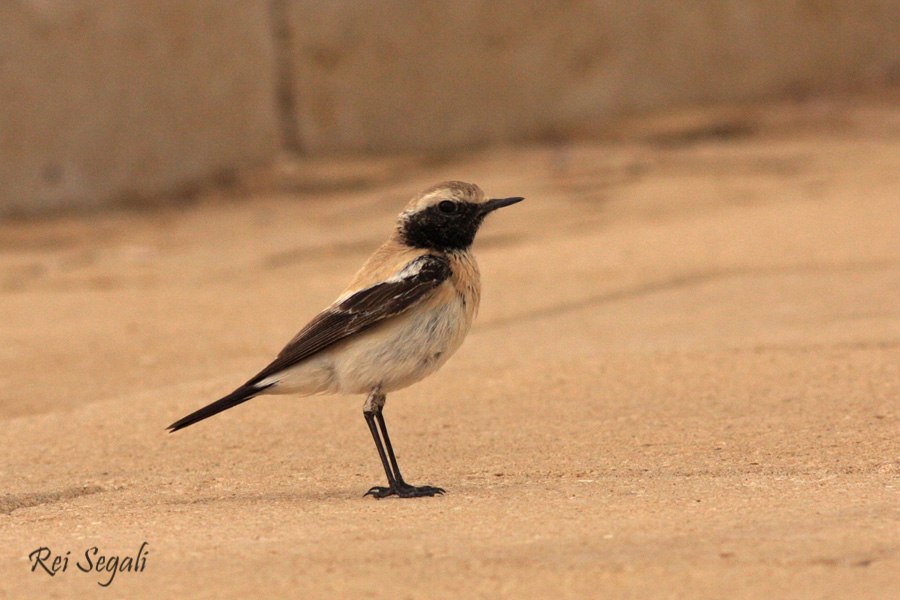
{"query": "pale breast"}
pixel 466 280
pixel 409 347
pixel 403 349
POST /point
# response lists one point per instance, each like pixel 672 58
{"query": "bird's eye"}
pixel 447 207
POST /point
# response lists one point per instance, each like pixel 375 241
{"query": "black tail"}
pixel 242 394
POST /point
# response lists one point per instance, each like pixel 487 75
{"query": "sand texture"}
pixel 684 382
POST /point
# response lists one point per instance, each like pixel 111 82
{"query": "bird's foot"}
pixel 404 490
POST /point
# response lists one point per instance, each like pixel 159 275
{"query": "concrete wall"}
pixel 386 74
pixel 105 99
pixel 102 100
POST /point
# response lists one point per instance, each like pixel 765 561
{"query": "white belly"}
pixel 393 354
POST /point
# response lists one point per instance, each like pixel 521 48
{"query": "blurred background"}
pixel 183 184
pixel 105 102
pixel 683 379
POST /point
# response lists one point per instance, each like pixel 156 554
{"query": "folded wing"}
pixel 362 310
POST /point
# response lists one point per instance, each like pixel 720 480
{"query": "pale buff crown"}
pixel 458 191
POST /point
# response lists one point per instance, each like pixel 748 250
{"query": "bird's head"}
pixel 447 216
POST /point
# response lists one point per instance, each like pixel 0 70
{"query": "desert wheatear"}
pixel 404 314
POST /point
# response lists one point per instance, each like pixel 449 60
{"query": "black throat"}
pixel 435 230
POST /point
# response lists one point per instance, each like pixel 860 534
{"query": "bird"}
pixel 405 312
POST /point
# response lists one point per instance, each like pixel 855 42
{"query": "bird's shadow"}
pixel 299 496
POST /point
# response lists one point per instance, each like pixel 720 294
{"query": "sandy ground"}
pixel 684 382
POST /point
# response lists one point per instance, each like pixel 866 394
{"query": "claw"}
pixel 404 491
pixel 378 492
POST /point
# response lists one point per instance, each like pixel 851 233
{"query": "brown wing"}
pixel 362 310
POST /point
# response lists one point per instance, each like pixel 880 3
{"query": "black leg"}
pixel 396 485
pixel 390 449
pixel 370 420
